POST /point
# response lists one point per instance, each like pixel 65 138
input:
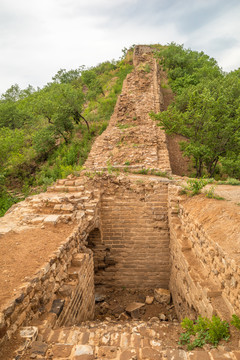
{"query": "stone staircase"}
pixel 133 340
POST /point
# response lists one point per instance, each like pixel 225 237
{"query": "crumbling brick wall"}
pixel 205 273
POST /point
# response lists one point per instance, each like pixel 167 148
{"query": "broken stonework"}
pixel 135 309
pixel 162 296
pixel 149 300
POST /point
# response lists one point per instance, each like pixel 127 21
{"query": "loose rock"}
pixel 162 296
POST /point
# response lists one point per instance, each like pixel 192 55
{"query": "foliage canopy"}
pixel 206 109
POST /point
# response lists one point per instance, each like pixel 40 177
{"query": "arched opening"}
pixel 101 256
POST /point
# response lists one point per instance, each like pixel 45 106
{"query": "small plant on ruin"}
pixel 194 186
pixel 124 126
pixel 143 171
pixel 127 162
pixel 211 194
pixel 147 68
pixel 203 331
pixel 235 321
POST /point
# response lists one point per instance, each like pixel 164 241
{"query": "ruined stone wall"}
pixel 48 283
pixel 81 301
pixel 132 137
pixel 135 233
pixel 205 270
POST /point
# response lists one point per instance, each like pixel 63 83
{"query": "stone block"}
pixel 57 306
pixel 51 219
pixel 39 348
pixel 29 333
pixel 83 352
pixel 163 296
pixel 78 259
pixel 135 309
pixel 61 350
pixel 67 207
pixel 149 300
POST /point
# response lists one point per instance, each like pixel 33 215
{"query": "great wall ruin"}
pixel 108 227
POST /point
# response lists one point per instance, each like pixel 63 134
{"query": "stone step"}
pixel 122 341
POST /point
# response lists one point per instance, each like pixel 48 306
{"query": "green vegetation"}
pixel 235 321
pixel 203 331
pixel 46 134
pixel 152 172
pixel 206 110
pixel 194 186
pixel 230 181
pixel 211 194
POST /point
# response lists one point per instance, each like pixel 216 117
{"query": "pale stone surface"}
pixel 83 350
pixel 29 332
pixel 149 300
pixel 51 219
pixel 162 296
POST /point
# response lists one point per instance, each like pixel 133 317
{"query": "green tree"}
pixel 61 106
pixel 208 116
pixel 206 108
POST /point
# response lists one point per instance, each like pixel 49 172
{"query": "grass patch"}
pixel 230 181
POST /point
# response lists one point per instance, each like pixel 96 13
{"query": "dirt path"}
pixel 228 192
pixel 22 254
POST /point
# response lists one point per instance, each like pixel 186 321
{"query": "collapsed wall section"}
pixel 204 251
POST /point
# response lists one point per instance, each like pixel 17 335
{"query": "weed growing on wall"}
pixel 235 321
pixel 194 186
pixel 203 331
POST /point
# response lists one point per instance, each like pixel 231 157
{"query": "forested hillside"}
pixel 205 111
pixel 46 134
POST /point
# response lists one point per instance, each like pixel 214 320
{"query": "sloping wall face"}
pixel 204 251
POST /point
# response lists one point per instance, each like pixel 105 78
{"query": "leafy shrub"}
pixel 211 194
pixel 203 331
pixel 194 186
pixel 235 321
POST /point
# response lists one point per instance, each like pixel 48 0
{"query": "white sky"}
pixel 39 37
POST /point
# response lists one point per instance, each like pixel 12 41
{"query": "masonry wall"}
pixel 205 270
pixel 47 283
pixel 80 304
pixel 135 233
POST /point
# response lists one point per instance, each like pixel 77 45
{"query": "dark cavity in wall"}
pixel 101 256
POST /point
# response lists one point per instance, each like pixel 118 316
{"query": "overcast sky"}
pixel 39 37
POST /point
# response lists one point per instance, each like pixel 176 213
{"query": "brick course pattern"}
pixel 135 230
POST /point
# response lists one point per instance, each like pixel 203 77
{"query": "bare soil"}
pixel 115 302
pixel 22 254
pixel 219 218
